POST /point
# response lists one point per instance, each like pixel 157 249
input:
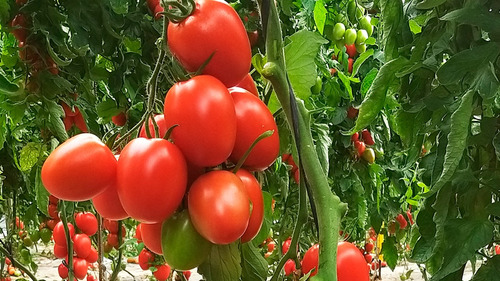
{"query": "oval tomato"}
pixel 108 204
pixel 82 245
pixel 351 264
pixel 204 112
pixel 162 272
pixel 289 267
pixel 111 226
pixel 79 169
pixel 162 127
pixel 214 28
pixel 219 206
pixel 80 267
pixel 253 118
pixel 19 25
pixel 120 119
pixel 59 234
pixel 151 236
pixel 351 51
pixel 338 31
pixel 52 210
pixel 152 177
pixel 145 259
pixel 255 194
pixel 248 84
pixel 310 261
pixel 93 255
pixel 183 247
pixel 60 251
pixel 87 223
pixel 63 271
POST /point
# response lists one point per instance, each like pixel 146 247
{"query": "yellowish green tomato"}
pixel 338 31
pixel 350 36
pixel 369 155
pixel 316 89
pixel 361 48
pixel 361 37
pixel 365 23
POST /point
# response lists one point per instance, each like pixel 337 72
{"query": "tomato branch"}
pixel 17 264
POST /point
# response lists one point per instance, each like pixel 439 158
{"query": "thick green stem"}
pixel 68 241
pixel 329 206
pixel 17 264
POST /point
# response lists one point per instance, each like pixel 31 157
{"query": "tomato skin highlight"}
pixel 255 194
pixel 253 118
pixel 152 173
pixel 79 169
pixel 151 236
pixel 216 198
pixel 204 111
pixel 183 247
pixel 213 28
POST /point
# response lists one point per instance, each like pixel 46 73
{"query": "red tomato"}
pixel 368 258
pixel 369 247
pixel 145 259
pixel 289 267
pixel 349 65
pixel 151 193
pixel 93 255
pixel 151 236
pixel 82 245
pixel 248 84
pixel 310 261
pixel 187 274
pixel 270 246
pixel 204 111
pixel 80 122
pixel 402 221
pixel 253 37
pixel 219 207
pixel 355 137
pixel 51 224
pixel 111 226
pixel 214 28
pixel 352 112
pixel 60 251
pixel 108 204
pixel 113 240
pixel 351 50
pixel 152 4
pixel 162 127
pixel 120 119
pixel 286 245
pixel 87 223
pixel 367 137
pixel 158 12
pixel 90 278
pixel 79 169
pixel 162 272
pixel 63 271
pixel 255 194
pixel 253 118
pixel 59 234
pixel 52 210
pixel 138 233
pixel 410 217
pixel 19 25
pixel 68 123
pixel 53 200
pixel 360 147
pixel 497 249
pixel 80 267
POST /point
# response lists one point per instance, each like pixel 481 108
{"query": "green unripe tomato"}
pixel 35 236
pixel 361 48
pixel 341 18
pixel 351 10
pixel 365 23
pixel 350 36
pixel 183 247
pixel 45 235
pixel 338 31
pixel 361 36
pixel 360 11
pixel 340 44
pixel 316 89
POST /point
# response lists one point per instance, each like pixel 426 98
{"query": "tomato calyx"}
pixel 178 11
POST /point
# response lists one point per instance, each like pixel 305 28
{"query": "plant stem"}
pixel 17 264
pixel 68 240
pixel 330 208
pixel 99 247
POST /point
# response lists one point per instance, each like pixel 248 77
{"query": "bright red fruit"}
pixel 138 233
pixel 367 137
pixel 351 50
pixel 53 200
pixel 369 247
pixel 248 84
pixel 497 249
pixel 402 221
pixel 80 267
pixel 368 258
pixel 286 245
pixel 59 234
pixel 215 199
pixel 93 255
pixel 355 137
pixel 82 245
pixel 52 210
pixel 152 177
pixel 19 24
pixel 111 226
pixel 162 127
pixel 60 251
pixel 350 62
pixel 255 194
pixel 352 112
pixel 289 267
pixel 63 271
pixel 204 111
pixel 120 119
pixel 108 204
pixel 270 246
pixel 410 217
pixel 87 223
pixel 151 236
pixel 162 272
pixel 213 29
pixel 79 169
pixel 310 260
pixel 253 118
pixel 145 258
pixel 187 274
pixel 113 240
pixel 360 147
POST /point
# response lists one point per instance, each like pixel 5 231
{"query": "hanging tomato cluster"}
pixel 112 241
pixel 366 153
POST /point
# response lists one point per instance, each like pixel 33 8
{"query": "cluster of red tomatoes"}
pixel 112 235
pixel 73 117
pixel 11 270
pixel 401 221
pixel 84 254
pixel 366 153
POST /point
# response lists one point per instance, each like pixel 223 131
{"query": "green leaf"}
pixel 42 195
pixel 494 209
pixel 6 86
pixel 390 251
pixel 457 140
pixel 320 13
pixel 392 13
pixel 478 16
pixel 347 84
pixel 489 271
pixel 429 4
pixel 414 27
pixel 301 67
pixel 375 98
pixel 119 6
pixel 368 81
pixel 465 237
pixel 3 130
pixel 29 155
pixel 222 264
pixel 4 11
pixel 323 142
pixel 360 60
pixel 496 144
pixel 254 265
pixel 56 113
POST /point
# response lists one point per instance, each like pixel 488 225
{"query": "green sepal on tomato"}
pixel 183 247
pixel 213 29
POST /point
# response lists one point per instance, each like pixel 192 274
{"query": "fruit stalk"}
pixel 330 208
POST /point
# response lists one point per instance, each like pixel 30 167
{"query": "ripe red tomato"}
pixel 51 224
pixel 255 194
pixel 286 245
pixel 350 62
pixel 53 200
pixel 410 217
pixel 351 50
pixel 19 25
pixel 151 236
pixel 355 137
pixel 369 247
pixel 80 122
pixel 52 210
pixel 289 267
pixel 368 258
pixel 82 245
pixel 68 123
pixel 59 234
pixel 138 233
pixel 90 278
pixel 204 111
pixel 352 112
pixel 187 274
pixel 248 84
pixel 253 118
pixel 351 264
pixel 162 127
pixel 497 249
pixel 87 223
pixel 183 247
pixel 80 267
pixel 367 137
pixel 360 147
pixel 120 119
pixel 151 193
pixel 79 169
pixel 113 240
pixel 402 221
pixel 63 271
pixel 111 226
pixel 162 272
pixel 108 204
pixel 93 255
pixel 310 261
pixel 145 259
pixel 270 247
pixel 253 37
pixel 219 206
pixel 60 251
pixel 199 36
